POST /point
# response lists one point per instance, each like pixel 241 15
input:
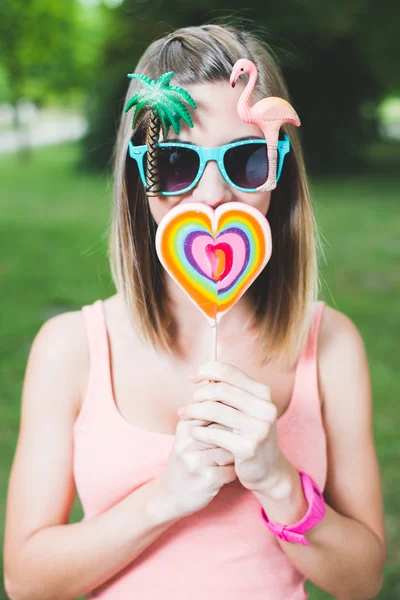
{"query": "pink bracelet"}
pixel 315 513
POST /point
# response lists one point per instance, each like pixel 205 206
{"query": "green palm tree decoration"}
pixel 167 108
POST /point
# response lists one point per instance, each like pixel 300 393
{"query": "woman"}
pixel 172 505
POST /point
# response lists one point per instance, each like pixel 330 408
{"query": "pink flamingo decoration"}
pixel 269 114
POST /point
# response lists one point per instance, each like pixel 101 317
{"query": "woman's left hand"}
pixel 243 406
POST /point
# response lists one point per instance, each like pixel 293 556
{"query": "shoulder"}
pixel 343 369
pixel 62 330
pixel 337 333
pixel 60 350
pixel 341 351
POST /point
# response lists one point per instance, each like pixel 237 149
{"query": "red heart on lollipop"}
pixel 221 259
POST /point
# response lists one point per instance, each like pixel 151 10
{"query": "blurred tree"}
pixel 4 87
pixel 325 51
pixel 47 49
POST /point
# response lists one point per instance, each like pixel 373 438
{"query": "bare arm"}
pixel 347 549
pixel 46 557
pixel 64 562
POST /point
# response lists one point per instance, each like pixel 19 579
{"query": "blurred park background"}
pixel 63 69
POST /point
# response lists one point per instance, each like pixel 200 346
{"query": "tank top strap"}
pixel 307 389
pixel 98 391
pixel 93 315
pixel 310 352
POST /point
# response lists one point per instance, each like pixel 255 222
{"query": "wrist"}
pixel 161 506
pixel 280 481
pixel 316 509
pixel 282 497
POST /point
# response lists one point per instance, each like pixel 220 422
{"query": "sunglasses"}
pixel 244 165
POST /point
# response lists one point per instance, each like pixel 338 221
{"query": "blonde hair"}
pixel 284 293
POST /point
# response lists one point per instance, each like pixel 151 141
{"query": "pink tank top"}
pixel 222 552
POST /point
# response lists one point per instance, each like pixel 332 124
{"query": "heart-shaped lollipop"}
pixel 214 255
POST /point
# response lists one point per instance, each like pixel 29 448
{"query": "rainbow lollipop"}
pixel 214 255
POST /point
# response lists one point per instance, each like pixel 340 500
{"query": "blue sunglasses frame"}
pixel 205 155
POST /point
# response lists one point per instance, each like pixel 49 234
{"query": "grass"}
pixel 54 223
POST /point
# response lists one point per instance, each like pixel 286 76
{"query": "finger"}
pixel 183 431
pixel 217 457
pixel 231 419
pixel 218 371
pixel 219 426
pixel 227 474
pixel 236 398
pixel 221 414
pixel 239 446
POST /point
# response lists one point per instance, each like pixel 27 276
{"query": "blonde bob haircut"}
pixel 284 293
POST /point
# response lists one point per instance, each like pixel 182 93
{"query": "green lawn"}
pixel 54 222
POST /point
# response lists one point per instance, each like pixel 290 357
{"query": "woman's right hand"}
pixel 195 471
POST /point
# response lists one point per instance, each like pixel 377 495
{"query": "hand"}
pixel 244 408
pixel 195 472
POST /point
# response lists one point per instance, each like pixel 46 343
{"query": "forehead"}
pixel 216 113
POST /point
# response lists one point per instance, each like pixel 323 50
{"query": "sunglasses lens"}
pixel 177 166
pixel 247 165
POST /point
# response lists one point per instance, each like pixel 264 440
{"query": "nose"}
pixel 212 189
